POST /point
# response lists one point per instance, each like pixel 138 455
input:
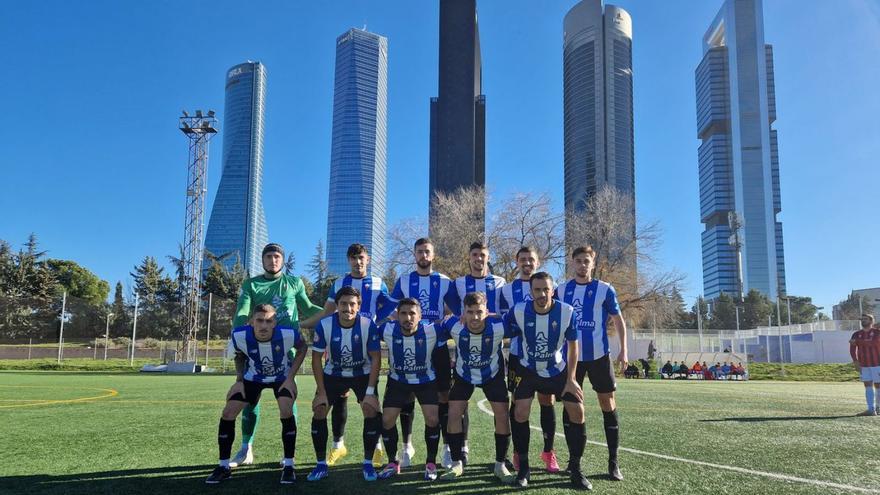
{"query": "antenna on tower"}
pixel 199 130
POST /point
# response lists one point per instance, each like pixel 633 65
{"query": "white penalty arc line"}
pixel 483 405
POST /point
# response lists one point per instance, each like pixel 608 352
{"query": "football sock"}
pixel 225 437
pixel 548 426
pixel 319 438
pixel 406 422
pixel 288 436
pixel 250 419
pixel 502 442
pixel 372 429
pixel 612 433
pixel 338 419
pixel 432 441
pixel 389 437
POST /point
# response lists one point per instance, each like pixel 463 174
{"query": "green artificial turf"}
pixel 139 433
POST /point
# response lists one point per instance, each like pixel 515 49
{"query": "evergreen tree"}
pixel 723 313
pixel 756 309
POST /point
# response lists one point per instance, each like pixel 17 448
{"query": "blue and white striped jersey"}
pixel 593 303
pixel 490 285
pixel 268 362
pixel 478 356
pixel 347 348
pixel 432 291
pixel 375 302
pixel 409 356
pixel 512 294
pixel 541 345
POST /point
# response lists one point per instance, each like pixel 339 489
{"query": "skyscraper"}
pixel 458 113
pixel 597 102
pixel 738 158
pixel 237 226
pixel 356 212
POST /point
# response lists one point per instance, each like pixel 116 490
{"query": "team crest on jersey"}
pixel 487 340
pixel 316 338
pixel 356 337
pixel 419 341
pixel 590 293
pixel 277 348
pixel 366 286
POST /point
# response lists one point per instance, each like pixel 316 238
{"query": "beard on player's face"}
pixel 424 263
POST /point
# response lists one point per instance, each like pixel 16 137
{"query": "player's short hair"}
pixel 346 291
pixel 423 240
pixel 588 250
pixel 541 276
pixel 478 245
pixel 409 301
pixel 356 249
pixel 475 299
pixel 526 249
pixel 263 308
pixel 868 316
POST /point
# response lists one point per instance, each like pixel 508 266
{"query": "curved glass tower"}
pixel 237 227
pixel 356 210
pixel 597 101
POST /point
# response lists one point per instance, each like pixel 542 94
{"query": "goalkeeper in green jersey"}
pixel 288 295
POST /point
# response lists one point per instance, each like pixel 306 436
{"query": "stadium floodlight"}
pixel 185 114
pixel 198 114
pixel 210 114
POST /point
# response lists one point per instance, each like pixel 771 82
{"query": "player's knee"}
pixel 320 411
pixel 230 412
pixel 545 400
pixel 368 410
pixel 521 414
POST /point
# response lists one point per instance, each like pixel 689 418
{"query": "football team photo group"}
pixel 439 339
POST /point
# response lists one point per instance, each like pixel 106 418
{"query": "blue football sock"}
pixel 869 396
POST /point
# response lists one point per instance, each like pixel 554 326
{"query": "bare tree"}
pixel 526 219
pixel 459 220
pixel 626 252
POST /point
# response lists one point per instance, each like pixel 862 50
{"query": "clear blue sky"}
pixel 92 160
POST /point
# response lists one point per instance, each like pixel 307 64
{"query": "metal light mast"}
pixel 199 130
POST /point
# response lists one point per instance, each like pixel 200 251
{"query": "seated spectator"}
pixel 646 366
pixel 667 370
pixel 632 371
pixel 683 371
pixel 708 372
pixel 696 371
pixel 726 370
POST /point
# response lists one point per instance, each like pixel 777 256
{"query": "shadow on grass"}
pixel 263 478
pixel 774 418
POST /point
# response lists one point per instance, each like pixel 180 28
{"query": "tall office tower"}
pixel 597 102
pixel 356 211
pixel 738 159
pixel 458 113
pixel 237 227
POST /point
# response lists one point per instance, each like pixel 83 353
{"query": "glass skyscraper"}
pixel 356 210
pixel 458 113
pixel 237 226
pixel 597 102
pixel 738 158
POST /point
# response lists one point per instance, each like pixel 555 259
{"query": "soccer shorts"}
pixel 398 394
pixel 600 373
pixel 530 383
pixel 870 374
pixel 252 391
pixel 336 386
pixel 494 389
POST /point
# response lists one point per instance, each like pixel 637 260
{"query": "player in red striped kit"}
pixel 864 347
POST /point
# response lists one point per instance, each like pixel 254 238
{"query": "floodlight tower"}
pixel 199 129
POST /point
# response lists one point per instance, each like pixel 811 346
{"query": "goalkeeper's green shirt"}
pixel 286 293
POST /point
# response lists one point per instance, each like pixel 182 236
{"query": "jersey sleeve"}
pixel 385 304
pixel 231 349
pixel 453 299
pixel 610 303
pixel 319 342
pixel 333 291
pixel 511 327
pixel 397 293
pixel 374 339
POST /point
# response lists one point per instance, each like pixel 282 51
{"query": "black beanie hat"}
pixel 273 248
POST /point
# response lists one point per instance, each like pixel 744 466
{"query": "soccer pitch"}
pixel 127 433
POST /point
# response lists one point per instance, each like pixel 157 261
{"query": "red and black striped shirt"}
pixel 864 347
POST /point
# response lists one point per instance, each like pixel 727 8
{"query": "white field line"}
pixel 483 405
